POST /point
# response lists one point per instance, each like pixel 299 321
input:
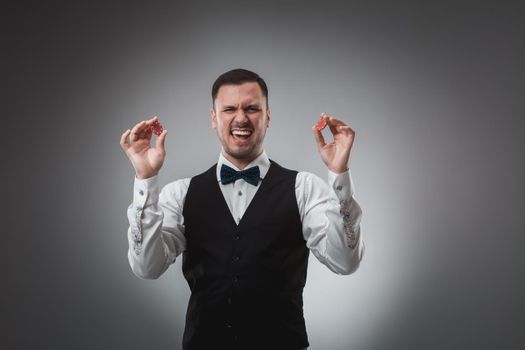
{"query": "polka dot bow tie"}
pixel 251 175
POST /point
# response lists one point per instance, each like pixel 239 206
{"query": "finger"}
pixel 333 123
pixel 318 137
pixel 146 133
pixel 124 140
pixel 345 129
pixel 137 129
pixel 143 128
pixel 151 121
pixel 160 141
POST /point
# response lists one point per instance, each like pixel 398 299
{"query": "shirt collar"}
pixel 262 161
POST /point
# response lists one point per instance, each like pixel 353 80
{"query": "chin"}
pixel 240 153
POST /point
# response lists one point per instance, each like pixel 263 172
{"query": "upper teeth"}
pixel 241 132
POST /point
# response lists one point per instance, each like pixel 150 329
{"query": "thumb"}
pixel 160 141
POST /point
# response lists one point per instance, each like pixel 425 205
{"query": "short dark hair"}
pixel 236 77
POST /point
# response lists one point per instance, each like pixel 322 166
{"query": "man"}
pixel 245 226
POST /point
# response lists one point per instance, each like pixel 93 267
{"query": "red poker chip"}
pixel 321 124
pixel 156 128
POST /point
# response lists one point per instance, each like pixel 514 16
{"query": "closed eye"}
pixel 252 109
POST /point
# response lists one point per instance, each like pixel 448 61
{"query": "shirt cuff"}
pixel 145 192
pixel 341 184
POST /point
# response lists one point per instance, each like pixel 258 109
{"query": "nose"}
pixel 241 115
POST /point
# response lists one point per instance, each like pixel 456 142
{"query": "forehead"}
pixel 241 93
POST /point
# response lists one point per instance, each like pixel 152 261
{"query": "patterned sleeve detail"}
pixel 351 236
pixel 136 231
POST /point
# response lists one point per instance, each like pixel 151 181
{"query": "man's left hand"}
pixel 336 154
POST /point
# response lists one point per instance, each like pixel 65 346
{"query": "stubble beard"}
pixel 243 153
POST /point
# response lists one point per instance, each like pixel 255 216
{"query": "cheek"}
pixel 263 124
pixel 224 129
pixel 218 124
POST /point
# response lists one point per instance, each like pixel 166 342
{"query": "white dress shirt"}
pixel 330 218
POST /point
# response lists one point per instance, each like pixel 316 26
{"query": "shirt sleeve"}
pixel 156 226
pixel 331 220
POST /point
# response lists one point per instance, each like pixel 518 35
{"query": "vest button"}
pixel 236 237
pixel 228 325
pixel 235 279
pixel 236 258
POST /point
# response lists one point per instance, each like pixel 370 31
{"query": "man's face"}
pixel 241 117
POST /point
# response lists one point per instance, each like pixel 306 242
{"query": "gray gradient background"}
pixel 434 91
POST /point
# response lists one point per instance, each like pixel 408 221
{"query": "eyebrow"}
pixel 251 105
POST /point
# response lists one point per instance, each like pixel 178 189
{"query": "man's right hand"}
pixel 136 143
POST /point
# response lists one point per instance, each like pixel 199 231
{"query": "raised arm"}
pixel 156 230
pixel 331 215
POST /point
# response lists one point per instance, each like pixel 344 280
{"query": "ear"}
pixel 268 118
pixel 213 118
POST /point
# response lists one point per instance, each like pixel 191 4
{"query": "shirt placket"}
pixel 238 199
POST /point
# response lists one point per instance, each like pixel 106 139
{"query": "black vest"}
pixel 246 280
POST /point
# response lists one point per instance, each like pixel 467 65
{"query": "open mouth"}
pixel 241 134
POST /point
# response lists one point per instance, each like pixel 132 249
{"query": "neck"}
pixel 240 163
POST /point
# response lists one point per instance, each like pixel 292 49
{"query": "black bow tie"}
pixel 251 175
